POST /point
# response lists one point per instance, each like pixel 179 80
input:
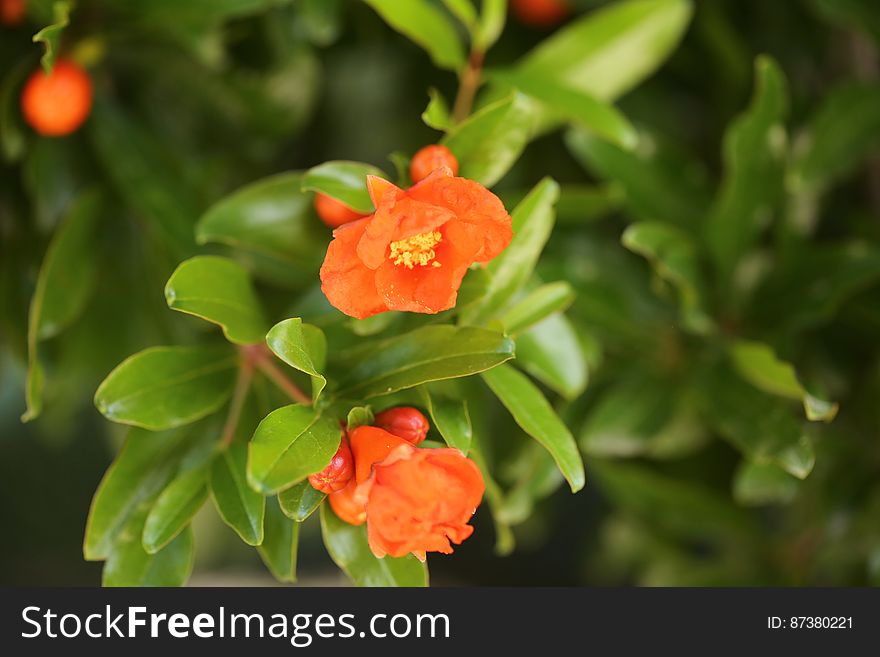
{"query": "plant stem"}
pixel 468 84
pixel 278 377
pixel 239 394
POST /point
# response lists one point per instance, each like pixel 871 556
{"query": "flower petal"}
pixel 346 282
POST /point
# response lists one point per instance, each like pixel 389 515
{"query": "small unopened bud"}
pixel 429 159
pixel 338 472
pixel 335 213
pixel 404 422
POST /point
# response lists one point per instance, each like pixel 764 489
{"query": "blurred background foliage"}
pixel 726 273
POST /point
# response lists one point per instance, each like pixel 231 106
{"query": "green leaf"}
pixel 290 443
pixel 175 508
pixel 129 564
pixel 537 305
pixel 843 131
pixel 758 364
pixel 436 114
pixel 532 222
pixel 427 26
pixel 164 387
pixel 241 507
pixel 597 116
pixel 279 548
pixel 489 142
pixel 658 183
pixel 303 347
pixel 761 427
pixel 144 467
pixel 537 418
pixel 64 285
pixel 464 11
pixel 673 256
pixel 432 353
pixel 451 419
pixel 345 181
pixel 551 352
pixel 757 484
pixel 755 151
pixel 300 501
pixel 347 546
pixel 491 24
pixel 50 36
pixel 608 52
pixel 359 416
pixel 218 290
pixel 272 216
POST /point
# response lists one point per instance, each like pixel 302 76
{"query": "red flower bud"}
pixel 12 12
pixel 338 472
pixel 334 213
pixel 540 13
pixel 404 422
pixel 429 159
pixel 58 103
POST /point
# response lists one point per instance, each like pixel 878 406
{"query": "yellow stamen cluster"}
pixel 416 250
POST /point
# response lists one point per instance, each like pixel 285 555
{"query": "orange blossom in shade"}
pixel 540 13
pixel 413 500
pixel 334 213
pixel 57 104
pixel 12 12
pixel 413 252
pixel 404 422
pixel 430 158
pixel 338 472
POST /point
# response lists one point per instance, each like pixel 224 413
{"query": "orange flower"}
pixel 413 252
pixel 413 500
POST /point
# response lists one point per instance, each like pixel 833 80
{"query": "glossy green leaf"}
pixel 359 416
pixel 240 506
pixel 303 347
pixel 432 353
pixel 608 52
pixel 657 182
pixel 436 114
pixel 64 285
pixel 551 352
pixel 532 222
pixel 50 36
pixel 464 11
pixel 426 25
pixel 673 256
pixel 128 564
pixel 300 501
pixel 280 547
pixel 175 508
pixel 763 428
pixel 493 15
pixel 758 364
pixel 755 151
pixel 536 417
pixel 164 387
pixel 451 419
pixel 489 142
pixel 537 305
pixel 272 216
pixel 290 443
pixel 757 484
pixel 597 116
pixel 146 464
pixel 218 290
pixel 347 546
pixel 344 181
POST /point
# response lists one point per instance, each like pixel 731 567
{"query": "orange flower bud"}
pixel 413 500
pixel 338 472
pixel 429 159
pixel 58 103
pixel 540 13
pixel 404 421
pixel 414 251
pixel 334 213
pixel 12 12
